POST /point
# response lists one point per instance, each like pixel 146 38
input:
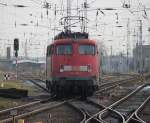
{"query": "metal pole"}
pixel 128 40
pixel 16 68
pixel 134 53
pixel 111 60
pixel 13 119
pixel 68 15
pixel 85 15
pixel 26 54
pixel 13 113
pixel 141 47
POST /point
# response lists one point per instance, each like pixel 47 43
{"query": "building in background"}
pixel 116 64
pixel 141 58
pixel 8 53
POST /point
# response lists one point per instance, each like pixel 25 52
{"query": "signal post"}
pixel 16 48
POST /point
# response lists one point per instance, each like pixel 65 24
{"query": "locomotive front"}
pixel 72 66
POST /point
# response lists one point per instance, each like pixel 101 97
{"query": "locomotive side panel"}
pixel 49 62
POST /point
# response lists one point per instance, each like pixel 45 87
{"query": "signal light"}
pixel 16 44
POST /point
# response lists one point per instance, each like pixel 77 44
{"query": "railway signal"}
pixel 16 48
pixel 16 44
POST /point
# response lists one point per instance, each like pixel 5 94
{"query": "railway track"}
pixel 39 83
pixel 54 111
pixel 27 109
pixel 27 76
pixel 123 109
pixel 88 107
pixel 142 114
pixel 91 108
pixel 109 93
pixel 112 78
pixel 64 113
pixel 84 109
pixel 110 85
pixel 69 111
pixel 115 113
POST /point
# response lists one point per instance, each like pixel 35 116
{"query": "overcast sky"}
pixel 35 28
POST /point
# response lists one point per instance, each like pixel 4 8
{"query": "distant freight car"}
pixel 72 65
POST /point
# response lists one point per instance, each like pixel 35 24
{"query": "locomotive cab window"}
pixel 87 49
pixel 64 49
pixel 50 50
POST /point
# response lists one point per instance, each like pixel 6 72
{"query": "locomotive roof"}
pixel 81 41
pixel 69 37
pixel 72 35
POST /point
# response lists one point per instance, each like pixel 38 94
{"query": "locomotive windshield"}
pixel 64 49
pixel 87 49
pixel 50 50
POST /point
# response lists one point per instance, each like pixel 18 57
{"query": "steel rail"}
pixel 110 86
pixel 118 114
pixel 78 109
pixel 134 120
pixel 108 83
pixel 20 107
pixel 44 108
pixel 25 105
pixel 116 103
pixel 23 77
pixel 34 111
pixel 105 78
pixel 41 80
pixel 88 113
pixel 40 86
pixel 128 96
pixel 95 119
pixel 122 100
pixel 139 109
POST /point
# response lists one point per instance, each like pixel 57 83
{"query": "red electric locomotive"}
pixel 72 64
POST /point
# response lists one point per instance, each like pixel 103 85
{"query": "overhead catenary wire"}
pixel 60 9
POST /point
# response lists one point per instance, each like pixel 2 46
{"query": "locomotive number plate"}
pixel 76 68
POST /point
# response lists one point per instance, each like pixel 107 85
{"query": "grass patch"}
pixel 7 103
pixel 32 90
pixel 19 84
pixel 11 84
pixel 1 75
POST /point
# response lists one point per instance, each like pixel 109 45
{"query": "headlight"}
pixel 65 68
pixel 85 68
